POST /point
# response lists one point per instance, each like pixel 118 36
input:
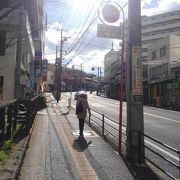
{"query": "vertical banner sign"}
pixel 137 85
pixel 38 63
pixel 38 55
pixel 44 70
pixel 38 67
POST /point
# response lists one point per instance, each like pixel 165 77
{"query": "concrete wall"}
pixel 7 70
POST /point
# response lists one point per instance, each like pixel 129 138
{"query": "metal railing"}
pixel 8 114
pixel 166 159
pixel 11 113
pixel 107 127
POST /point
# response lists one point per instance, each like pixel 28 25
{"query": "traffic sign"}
pixel 110 32
pixel 110 13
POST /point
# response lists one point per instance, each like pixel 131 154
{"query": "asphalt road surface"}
pixel 160 124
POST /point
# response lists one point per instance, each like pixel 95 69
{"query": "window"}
pixel 161 52
pixel 153 55
pixel 164 50
pixel 2 43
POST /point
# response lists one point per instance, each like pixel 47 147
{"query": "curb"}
pixel 17 170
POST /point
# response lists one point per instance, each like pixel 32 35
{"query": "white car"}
pixel 77 94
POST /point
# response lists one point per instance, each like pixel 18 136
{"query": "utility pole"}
pixel 55 73
pixel 135 122
pixel 60 65
pixel 18 54
pixel 81 78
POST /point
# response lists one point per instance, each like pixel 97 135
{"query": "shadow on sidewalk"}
pixel 81 144
pixel 140 172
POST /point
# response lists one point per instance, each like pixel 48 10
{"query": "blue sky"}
pixel 74 16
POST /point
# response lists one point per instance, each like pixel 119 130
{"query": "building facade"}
pixel 164 57
pixel 157 27
pixel 19 41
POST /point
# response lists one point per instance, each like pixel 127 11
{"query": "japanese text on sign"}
pixel 137 86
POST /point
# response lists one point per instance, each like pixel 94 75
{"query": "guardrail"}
pixel 103 124
pixel 8 114
pixel 11 112
pixel 108 128
pixel 27 116
pixel 174 164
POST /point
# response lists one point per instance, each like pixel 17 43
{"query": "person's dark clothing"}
pixel 82 116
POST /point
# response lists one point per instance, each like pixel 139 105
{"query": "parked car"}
pixel 78 93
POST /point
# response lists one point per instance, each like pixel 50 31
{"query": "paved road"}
pixel 161 124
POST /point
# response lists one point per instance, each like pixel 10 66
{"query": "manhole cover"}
pixel 86 133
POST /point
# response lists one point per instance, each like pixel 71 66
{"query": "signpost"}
pixel 110 32
pixel 137 85
pixel 111 13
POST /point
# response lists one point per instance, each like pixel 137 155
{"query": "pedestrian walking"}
pixel 82 107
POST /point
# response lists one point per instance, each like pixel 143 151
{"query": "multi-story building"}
pixel 21 35
pixel 111 57
pixel 163 55
pixel 157 27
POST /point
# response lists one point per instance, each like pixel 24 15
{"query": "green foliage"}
pixel 5 151
pixel 3 157
pixel 8 145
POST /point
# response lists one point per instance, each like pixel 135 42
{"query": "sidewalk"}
pixel 72 157
pixel 106 162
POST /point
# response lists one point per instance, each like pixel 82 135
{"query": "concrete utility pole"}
pixel 18 54
pixel 59 69
pixel 56 70
pixel 135 122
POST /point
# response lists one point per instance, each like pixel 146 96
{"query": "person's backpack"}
pixel 79 108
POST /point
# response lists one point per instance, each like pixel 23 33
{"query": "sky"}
pixel 78 20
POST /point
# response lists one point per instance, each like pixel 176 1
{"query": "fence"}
pixel 108 128
pixel 11 112
pixel 176 165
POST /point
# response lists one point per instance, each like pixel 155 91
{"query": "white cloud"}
pixel 93 54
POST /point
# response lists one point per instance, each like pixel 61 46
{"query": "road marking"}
pixel 97 105
pixel 162 117
pixel 162 150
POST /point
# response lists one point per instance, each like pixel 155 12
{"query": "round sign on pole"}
pixel 110 13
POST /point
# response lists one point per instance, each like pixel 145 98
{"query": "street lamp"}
pixel 111 13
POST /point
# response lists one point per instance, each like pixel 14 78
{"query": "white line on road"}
pixel 162 117
pixel 162 150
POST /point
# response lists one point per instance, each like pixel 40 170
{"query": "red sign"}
pixel 110 13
